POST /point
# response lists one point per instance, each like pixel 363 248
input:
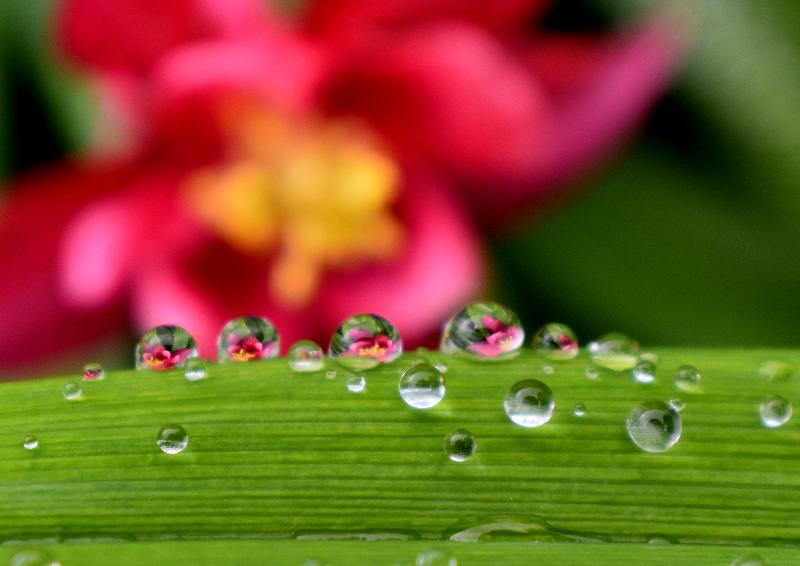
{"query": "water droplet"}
pixel 750 560
pixel 248 338
pixel 330 374
pixel 529 403
pixel 421 386
pixel 775 411
pixel 549 370
pixel 164 347
pixel 484 331
pixel 72 390
pixel 32 558
pixel 306 356
pixel 654 426
pixel 662 539
pixel 460 445
pixel 644 372
pixel 614 351
pixel 556 341
pixel 365 340
pixel 172 438
pixel 677 404
pixel 776 370
pixel 650 357
pixel 356 383
pixel 579 410
pixel 688 379
pixel 93 372
pixel 592 372
pixel 441 366
pixel 30 442
pixel 195 369
pixel 435 558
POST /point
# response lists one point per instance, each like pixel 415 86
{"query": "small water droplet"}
pixel 72 390
pixel 356 383
pixel 248 338
pixel 677 404
pixel 484 331
pixel 654 426
pixel 529 403
pixel 776 370
pixel 365 340
pixel 775 411
pixel 165 347
pixel 592 372
pixel 330 374
pixel 441 366
pixel 549 370
pixel 460 445
pixel 435 558
pixel 614 351
pixel 579 410
pixel 750 560
pixel 662 539
pixel 689 380
pixel 32 558
pixel 30 442
pixel 421 386
pixel 195 369
pixel 172 438
pixel 556 341
pixel 93 372
pixel 306 356
pixel 644 372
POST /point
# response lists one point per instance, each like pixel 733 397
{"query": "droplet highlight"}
pixel 677 403
pixel 164 347
pixel 364 341
pixel 421 386
pixel 579 410
pixel 356 383
pixel 30 442
pixel 72 391
pixel 484 331
pixel 775 411
pixel 689 380
pixel 460 445
pixel 306 356
pixel 644 372
pixel 195 369
pixel 93 372
pixel 654 426
pixel 172 439
pixel 556 341
pixel 330 374
pixel 614 351
pixel 247 339
pixel 529 403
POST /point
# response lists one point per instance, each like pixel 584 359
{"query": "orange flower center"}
pixel 373 351
pixel 315 195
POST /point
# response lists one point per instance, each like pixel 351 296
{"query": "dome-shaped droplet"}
pixel 776 370
pixel 172 438
pixel 306 356
pixel 30 442
pixel 93 372
pixel 195 369
pixel 654 426
pixel 529 403
pixel 750 560
pixel 555 341
pixel 356 383
pixel 592 372
pixel 365 340
pixel 330 374
pixel 484 331
pixel 421 386
pixel 248 338
pixel 165 347
pixel 688 380
pixel 614 351
pixel 579 410
pixel 72 390
pixel 644 372
pixel 775 411
pixel 460 445
pixel 677 403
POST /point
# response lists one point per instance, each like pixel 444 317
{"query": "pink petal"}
pixel 486 349
pixel 492 324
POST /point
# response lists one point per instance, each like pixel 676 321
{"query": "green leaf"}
pixel 280 455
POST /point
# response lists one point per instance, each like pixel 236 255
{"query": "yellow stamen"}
pixel 373 351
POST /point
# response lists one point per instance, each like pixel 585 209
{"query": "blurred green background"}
pixel 688 237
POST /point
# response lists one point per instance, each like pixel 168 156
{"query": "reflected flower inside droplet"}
pixel 556 341
pixel 247 338
pixel 365 340
pixel 164 347
pixel 484 331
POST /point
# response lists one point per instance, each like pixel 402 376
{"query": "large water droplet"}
pixel 72 390
pixel 614 351
pixel 93 372
pixel 172 438
pixel 654 426
pixel 484 331
pixel 529 403
pixel 165 347
pixel 248 338
pixel 750 560
pixel 435 558
pixel 460 445
pixel 306 356
pixel 30 442
pixel 555 341
pixel 579 410
pixel 195 369
pixel 365 340
pixel 776 370
pixel 356 383
pixel 775 411
pixel 421 386
pixel 689 380
pixel 644 372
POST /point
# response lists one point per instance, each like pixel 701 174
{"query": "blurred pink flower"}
pixel 306 168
